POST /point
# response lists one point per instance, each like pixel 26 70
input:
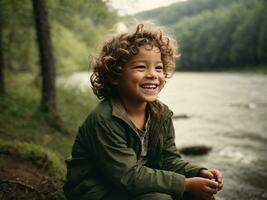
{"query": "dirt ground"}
pixel 21 179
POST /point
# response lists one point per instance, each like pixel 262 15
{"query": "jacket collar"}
pixel 118 110
pixel 155 107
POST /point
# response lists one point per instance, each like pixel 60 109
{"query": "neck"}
pixel 136 113
pixel 134 109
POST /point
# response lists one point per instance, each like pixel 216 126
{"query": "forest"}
pixel 212 35
pixel 41 40
pixel 76 30
pixel 216 35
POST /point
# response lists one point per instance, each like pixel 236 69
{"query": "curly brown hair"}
pixel 118 50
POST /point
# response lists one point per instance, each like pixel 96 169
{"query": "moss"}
pixel 40 156
pixel 25 128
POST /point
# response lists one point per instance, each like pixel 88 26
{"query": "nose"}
pixel 151 73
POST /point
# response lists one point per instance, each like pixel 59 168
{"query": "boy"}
pixel 125 149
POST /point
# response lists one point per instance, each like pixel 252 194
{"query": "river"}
pixel 228 112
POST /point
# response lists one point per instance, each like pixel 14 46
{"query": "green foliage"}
pixel 177 11
pixel 75 34
pixel 20 52
pixel 76 26
pixel 20 119
pixel 249 36
pixel 216 35
pixel 262 42
pixel 66 12
pixel 74 105
pixel 71 53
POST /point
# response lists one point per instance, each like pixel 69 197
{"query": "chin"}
pixel 151 99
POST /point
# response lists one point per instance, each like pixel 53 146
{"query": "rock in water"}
pixel 181 116
pixel 195 150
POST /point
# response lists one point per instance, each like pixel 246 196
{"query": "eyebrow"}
pixel 137 61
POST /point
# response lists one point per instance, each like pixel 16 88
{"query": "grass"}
pixel 23 126
pixel 38 155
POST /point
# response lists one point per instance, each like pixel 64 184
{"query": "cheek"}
pixel 135 78
pixel 162 79
pixel 162 82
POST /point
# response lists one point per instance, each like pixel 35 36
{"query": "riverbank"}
pixel 261 69
pixel 26 136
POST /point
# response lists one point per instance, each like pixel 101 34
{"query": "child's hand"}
pixel 215 175
pixel 202 188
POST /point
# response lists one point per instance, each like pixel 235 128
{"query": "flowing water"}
pixel 227 112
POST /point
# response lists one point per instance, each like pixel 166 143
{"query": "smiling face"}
pixel 142 77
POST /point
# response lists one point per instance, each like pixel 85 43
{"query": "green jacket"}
pixel 106 151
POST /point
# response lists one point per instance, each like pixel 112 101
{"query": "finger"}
pixel 212 184
pixel 217 174
pixel 221 184
pixel 211 191
pixel 207 174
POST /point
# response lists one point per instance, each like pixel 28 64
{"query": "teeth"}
pixel 149 86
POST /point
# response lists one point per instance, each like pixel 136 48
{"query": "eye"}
pixel 159 68
pixel 140 68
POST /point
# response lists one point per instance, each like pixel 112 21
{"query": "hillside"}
pixel 177 11
pixel 215 35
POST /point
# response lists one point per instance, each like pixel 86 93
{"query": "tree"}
pixel 2 24
pixel 2 82
pixel 48 102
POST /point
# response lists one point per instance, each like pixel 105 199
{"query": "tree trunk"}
pixel 2 78
pixel 48 102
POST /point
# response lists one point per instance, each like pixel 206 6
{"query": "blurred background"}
pixel 218 93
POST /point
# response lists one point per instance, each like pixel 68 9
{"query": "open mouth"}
pixel 149 86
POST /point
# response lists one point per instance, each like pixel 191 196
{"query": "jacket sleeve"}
pixel 172 160
pixel 118 163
